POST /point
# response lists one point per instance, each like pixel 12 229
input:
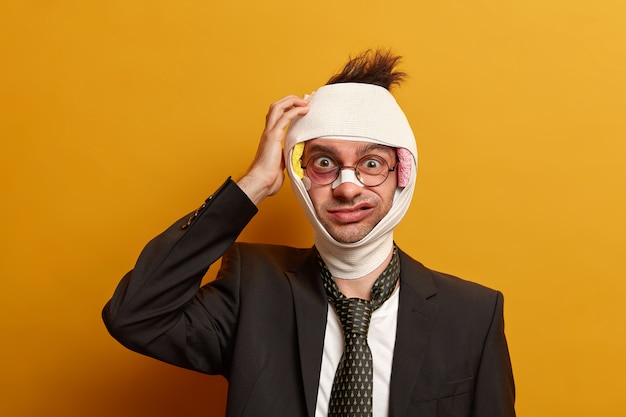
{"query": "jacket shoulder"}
pixel 277 257
pixel 444 286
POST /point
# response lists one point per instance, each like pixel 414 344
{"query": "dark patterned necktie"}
pixel 351 394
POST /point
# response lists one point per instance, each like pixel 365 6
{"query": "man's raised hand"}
pixel 266 174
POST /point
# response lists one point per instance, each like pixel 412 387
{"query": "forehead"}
pixel 345 147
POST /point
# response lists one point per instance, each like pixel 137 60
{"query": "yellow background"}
pixel 118 117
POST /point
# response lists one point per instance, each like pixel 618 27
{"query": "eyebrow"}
pixel 317 148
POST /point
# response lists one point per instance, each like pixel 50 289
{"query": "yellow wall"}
pixel 116 117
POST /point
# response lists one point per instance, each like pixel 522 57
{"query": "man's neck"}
pixel 362 287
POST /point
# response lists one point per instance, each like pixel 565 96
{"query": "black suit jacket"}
pixel 261 323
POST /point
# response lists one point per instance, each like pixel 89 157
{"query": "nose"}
pixel 347 186
pixel 346 174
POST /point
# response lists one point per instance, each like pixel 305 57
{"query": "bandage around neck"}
pixel 363 113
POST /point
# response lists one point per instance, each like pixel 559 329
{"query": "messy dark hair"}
pixel 371 67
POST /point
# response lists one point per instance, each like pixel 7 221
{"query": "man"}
pixel 350 327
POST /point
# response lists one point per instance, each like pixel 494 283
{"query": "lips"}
pixel 352 214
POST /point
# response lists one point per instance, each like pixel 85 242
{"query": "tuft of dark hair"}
pixel 376 67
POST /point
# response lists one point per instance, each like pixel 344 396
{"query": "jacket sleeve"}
pixel 156 308
pixel 495 390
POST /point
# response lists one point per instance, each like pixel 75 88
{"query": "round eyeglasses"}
pixel 371 170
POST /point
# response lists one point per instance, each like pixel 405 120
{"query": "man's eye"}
pixel 324 162
pixel 371 164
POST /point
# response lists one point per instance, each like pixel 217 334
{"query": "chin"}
pixel 349 234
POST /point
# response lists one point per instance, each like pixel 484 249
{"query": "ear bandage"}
pixel 363 113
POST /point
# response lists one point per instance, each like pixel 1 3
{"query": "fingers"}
pixel 284 111
pixel 266 173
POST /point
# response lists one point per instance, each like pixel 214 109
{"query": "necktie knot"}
pixel 354 314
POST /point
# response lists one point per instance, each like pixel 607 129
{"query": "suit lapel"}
pixel 416 316
pixel 311 309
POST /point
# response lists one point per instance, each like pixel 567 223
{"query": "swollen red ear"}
pixel 405 164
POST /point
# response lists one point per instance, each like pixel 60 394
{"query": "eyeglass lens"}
pixel 371 170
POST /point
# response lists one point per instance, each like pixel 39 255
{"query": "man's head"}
pixel 352 161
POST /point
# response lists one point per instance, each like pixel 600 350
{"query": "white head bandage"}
pixel 363 113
